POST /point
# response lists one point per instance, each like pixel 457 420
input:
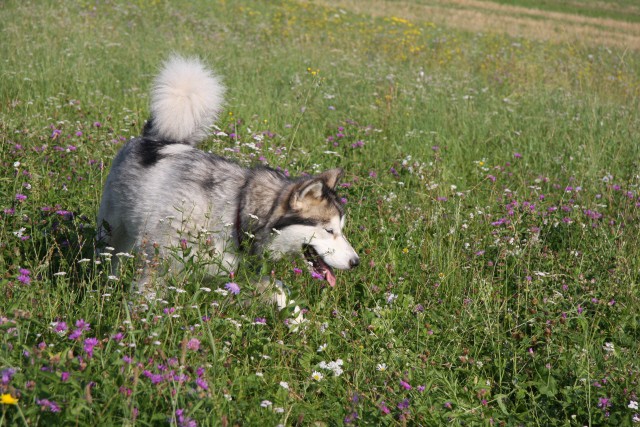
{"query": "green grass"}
pixel 622 10
pixel 494 204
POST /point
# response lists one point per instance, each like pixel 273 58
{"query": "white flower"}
pixel 204 289
pixel 60 273
pixel 284 385
pixel 317 376
pixel 278 410
pixel 633 405
pixel 322 347
pixel 391 297
pixel 259 374
pixel 382 367
pixel 335 367
pixel 266 403
pixel 608 347
pixel 221 291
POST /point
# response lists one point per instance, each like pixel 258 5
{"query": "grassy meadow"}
pixel 492 191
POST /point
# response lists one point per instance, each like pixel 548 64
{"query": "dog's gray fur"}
pixel 162 191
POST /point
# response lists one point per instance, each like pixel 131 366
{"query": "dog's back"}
pixel 160 185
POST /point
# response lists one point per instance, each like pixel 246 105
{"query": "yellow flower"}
pixel 405 250
pixel 7 399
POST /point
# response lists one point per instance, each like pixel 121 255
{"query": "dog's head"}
pixel 312 223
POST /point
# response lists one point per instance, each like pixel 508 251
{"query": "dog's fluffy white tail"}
pixel 185 101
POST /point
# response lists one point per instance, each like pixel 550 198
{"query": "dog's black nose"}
pixel 353 262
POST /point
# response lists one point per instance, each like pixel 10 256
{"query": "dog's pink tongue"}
pixel 330 277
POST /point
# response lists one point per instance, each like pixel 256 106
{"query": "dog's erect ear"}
pixel 309 190
pixel 331 177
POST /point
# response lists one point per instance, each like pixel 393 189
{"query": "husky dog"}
pixel 164 192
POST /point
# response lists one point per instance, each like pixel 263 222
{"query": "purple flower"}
pixel 202 383
pixel 117 337
pixel 193 344
pixel 405 385
pixel 75 334
pixel 384 409
pixel 48 405
pixel 604 403
pixel 89 344
pixel 23 278
pixel 20 197
pixel 6 375
pixel 64 376
pixel 232 287
pixel 404 404
pixel 184 421
pixel 61 327
pixel 82 325
pixel 155 378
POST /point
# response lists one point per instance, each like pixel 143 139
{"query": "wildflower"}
pixel 603 403
pixel 317 376
pixel 335 367
pixel 284 385
pixel 89 344
pixel 48 405
pixel 322 347
pixel 633 405
pixel 25 276
pixel 200 382
pixel 82 325
pixel 7 399
pixel 405 385
pixel 382 367
pixel 266 403
pixel 404 404
pixel 391 297
pixel 232 287
pixel 260 321
pixel 6 375
pixel 193 344
pixel 384 409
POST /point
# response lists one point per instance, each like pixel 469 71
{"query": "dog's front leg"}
pixel 275 292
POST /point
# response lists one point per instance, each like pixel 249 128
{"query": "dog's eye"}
pixel 329 230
